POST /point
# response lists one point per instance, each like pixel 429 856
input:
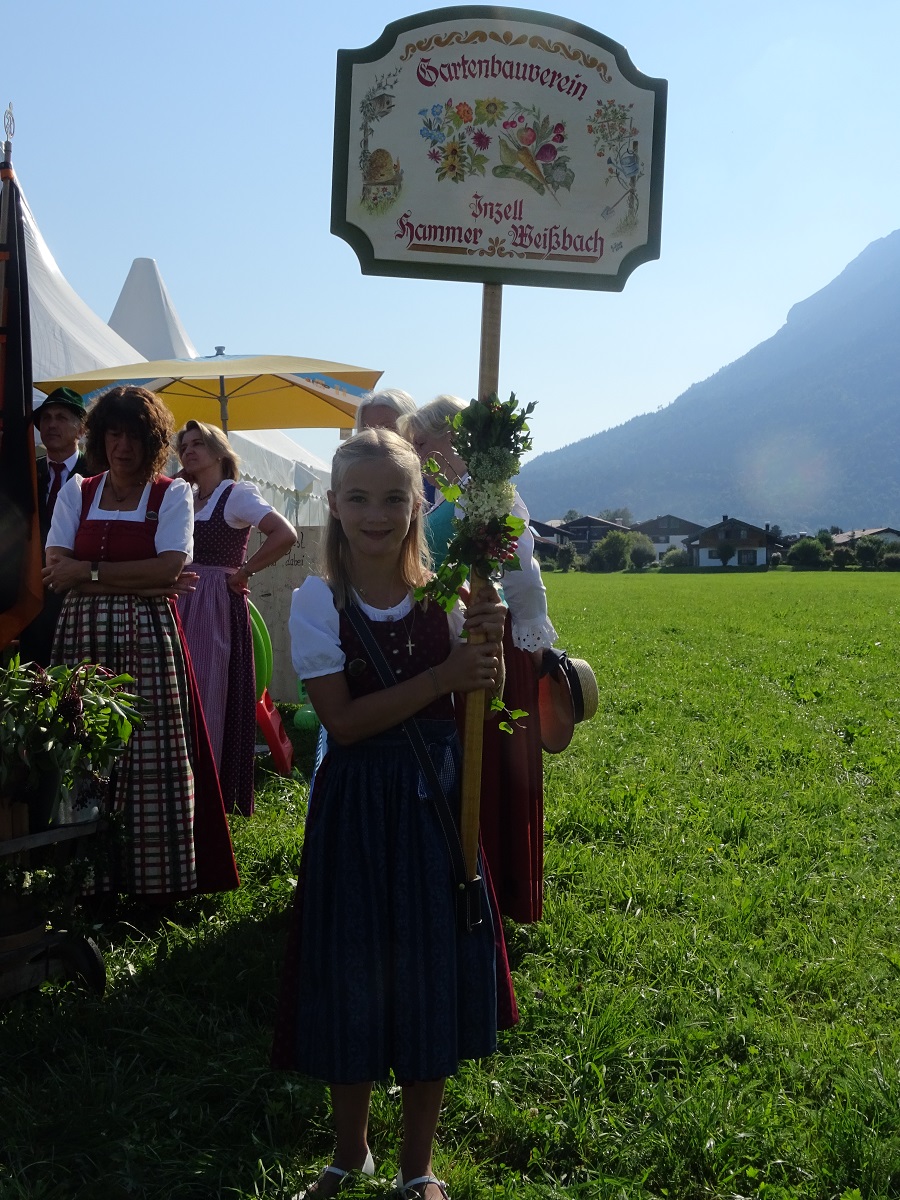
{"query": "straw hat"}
pixel 567 695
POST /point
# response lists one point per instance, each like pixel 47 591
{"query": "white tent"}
pixel 291 479
pixel 294 482
pixel 145 315
pixel 66 335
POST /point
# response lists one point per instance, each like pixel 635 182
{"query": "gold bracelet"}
pixel 437 690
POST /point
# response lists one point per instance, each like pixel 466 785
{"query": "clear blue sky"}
pixel 200 134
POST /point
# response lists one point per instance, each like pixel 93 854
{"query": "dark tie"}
pixel 55 485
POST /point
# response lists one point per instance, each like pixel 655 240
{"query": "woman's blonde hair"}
pixel 415 559
pixel 399 402
pixel 214 440
pixel 433 417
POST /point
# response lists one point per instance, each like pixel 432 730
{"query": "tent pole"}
pixel 473 736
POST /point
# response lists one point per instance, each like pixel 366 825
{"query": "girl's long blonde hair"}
pixel 415 558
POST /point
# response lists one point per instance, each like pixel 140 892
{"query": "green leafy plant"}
pixel 675 559
pixel 510 714
pixel 71 721
pixel 808 555
pixel 610 553
pixel 566 557
pixel 490 436
pixel 641 552
pixel 869 552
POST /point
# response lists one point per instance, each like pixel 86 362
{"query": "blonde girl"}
pixel 379 978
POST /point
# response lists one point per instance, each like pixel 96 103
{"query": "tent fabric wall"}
pixel 293 480
pixel 271 591
pixel 66 335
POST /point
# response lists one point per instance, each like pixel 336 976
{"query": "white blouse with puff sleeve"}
pixel 244 506
pixel 525 593
pixel 174 531
pixel 315 627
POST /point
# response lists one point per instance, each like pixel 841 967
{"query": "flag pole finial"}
pixel 9 128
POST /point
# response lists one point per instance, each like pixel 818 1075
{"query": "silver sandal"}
pixel 368 1168
pixel 410 1190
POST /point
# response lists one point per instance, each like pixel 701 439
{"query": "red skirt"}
pixel 512 794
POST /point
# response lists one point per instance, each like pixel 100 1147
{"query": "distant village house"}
pixel 548 536
pixel 883 532
pixel 666 532
pixel 586 532
pixel 753 546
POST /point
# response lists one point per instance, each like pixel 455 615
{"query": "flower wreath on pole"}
pixel 490 437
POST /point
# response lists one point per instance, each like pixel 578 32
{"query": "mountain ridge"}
pixel 798 430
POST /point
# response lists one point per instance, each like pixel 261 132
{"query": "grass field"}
pixel 710 1008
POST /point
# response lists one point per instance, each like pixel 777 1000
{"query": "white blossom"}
pixel 487 501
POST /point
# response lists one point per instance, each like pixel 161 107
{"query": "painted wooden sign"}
pixel 499 146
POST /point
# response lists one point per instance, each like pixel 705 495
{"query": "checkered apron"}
pixel 153 783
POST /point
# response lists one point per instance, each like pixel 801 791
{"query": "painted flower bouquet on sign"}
pixel 490 436
pixel 532 147
pixel 456 139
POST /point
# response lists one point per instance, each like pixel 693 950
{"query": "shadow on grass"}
pixel 156 1090
pixel 161 1088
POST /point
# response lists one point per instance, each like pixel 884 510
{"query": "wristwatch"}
pixel 95 572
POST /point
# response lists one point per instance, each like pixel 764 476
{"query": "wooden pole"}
pixel 489 363
pixel 470 805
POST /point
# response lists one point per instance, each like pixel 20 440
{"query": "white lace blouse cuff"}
pixel 533 635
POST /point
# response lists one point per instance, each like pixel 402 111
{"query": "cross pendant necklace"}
pixel 410 644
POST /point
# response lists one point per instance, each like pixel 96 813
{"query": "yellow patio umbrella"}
pixel 259 391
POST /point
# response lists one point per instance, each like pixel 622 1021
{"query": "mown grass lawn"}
pixel 710 1008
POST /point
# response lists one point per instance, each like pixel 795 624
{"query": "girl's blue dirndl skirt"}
pixel 378 977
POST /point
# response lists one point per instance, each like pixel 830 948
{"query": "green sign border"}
pixel 481 272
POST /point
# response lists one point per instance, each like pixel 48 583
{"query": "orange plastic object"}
pixel 269 720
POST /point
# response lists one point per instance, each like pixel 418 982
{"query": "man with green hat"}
pixel 60 420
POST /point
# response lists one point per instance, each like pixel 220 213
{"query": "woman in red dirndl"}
pixel 117 546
